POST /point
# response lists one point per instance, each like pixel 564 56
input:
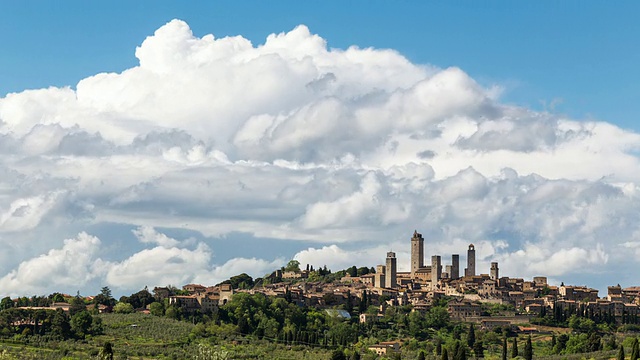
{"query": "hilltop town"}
pixel 374 311
pixel 385 286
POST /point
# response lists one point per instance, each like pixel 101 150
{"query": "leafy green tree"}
pixel 594 343
pixel 611 343
pixel 60 325
pixel 242 281
pixel 356 355
pixel 81 323
pixel 581 324
pixel 293 265
pixel 421 355
pixel 514 348
pixel 156 308
pixel 56 297
pixel 577 343
pixel 23 301
pixel 528 349
pixel 561 343
pixel 96 326
pixel 437 318
pixel 123 308
pixel 140 299
pixel 314 276
pixel 77 305
pixel 352 271
pixel 6 303
pixel 338 354
pixel 417 327
pixel 243 325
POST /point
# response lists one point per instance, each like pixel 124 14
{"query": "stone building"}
pixel 455 267
pixel 194 289
pixel 379 276
pixel 436 271
pixel 391 271
pixel 495 274
pixel 463 310
pixel 417 252
pixel 471 261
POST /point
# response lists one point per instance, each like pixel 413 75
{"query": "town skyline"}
pixel 416 275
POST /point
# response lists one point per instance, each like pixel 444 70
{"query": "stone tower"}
pixel 495 275
pixel 436 270
pixel 391 270
pixel 455 267
pixel 471 261
pixel 417 252
pixel 379 278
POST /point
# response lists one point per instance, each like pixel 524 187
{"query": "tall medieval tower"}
pixel 436 270
pixel 495 272
pixel 391 271
pixel 455 267
pixel 471 261
pixel 417 252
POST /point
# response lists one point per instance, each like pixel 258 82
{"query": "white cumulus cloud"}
pixel 293 140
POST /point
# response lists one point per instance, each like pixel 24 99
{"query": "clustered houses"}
pixel 200 298
pixel 532 298
pixel 621 305
pixel 317 294
pixel 422 284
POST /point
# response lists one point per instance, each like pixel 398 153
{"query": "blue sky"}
pixel 573 57
pixel 321 131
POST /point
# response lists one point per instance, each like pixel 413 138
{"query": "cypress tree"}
pixel 528 349
pixel 553 340
pixel 478 349
pixel 471 336
pixel 514 348
pixel 106 352
pixel 363 302
pixel 456 332
pixel 421 356
pixel 620 353
pixel 454 351
pixel 635 350
pixel 461 352
pixel 504 348
pixel 445 354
